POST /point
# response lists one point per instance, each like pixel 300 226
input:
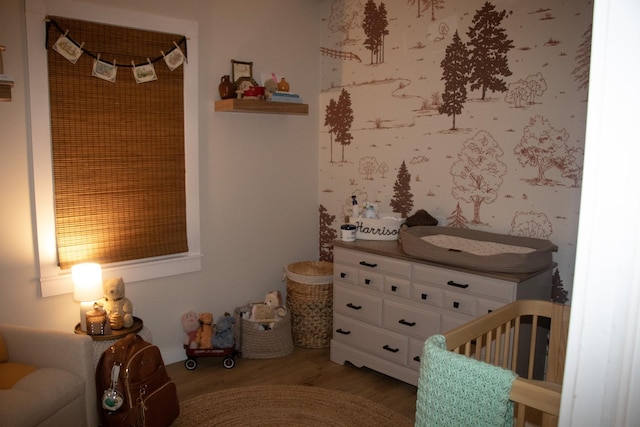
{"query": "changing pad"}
pixel 477 250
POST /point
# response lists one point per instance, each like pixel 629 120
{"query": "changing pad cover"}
pixel 477 250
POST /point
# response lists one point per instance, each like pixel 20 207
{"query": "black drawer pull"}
pixel 394 288
pixel 456 304
pixel 417 359
pixel 366 264
pixel 457 285
pixel 404 322
pixel 392 350
pixel 424 296
pixel 367 281
pixel 343 275
pixel 340 331
pixel 355 307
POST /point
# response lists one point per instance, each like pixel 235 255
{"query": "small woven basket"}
pixel 310 301
pixel 255 343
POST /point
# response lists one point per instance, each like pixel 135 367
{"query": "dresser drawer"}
pixel 371 280
pixel 375 341
pixel 410 321
pixel 346 273
pixel 459 303
pixel 427 294
pixel 357 305
pixel 464 282
pixel 376 263
pixel 397 286
pixel 487 306
pixel 416 347
pixel 450 322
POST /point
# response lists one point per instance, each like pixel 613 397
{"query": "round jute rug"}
pixel 285 405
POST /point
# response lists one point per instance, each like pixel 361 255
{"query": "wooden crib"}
pixel 539 328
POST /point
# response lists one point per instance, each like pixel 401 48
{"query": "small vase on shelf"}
pixel 283 86
pixel 226 88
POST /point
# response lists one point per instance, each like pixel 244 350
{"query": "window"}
pixel 56 280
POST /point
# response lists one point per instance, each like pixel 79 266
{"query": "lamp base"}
pixel 84 307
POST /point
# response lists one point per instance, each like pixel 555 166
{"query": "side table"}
pixel 102 342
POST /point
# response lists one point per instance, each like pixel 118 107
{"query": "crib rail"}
pixel 527 337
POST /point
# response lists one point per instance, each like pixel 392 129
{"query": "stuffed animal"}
pixel 190 326
pixel 205 331
pixel 223 337
pixel 118 307
pixel 271 310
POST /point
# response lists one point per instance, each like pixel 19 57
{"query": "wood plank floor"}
pixel 303 367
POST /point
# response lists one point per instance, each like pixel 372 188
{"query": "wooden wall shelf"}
pixel 259 106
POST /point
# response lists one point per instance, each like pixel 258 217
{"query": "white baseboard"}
pixel 173 354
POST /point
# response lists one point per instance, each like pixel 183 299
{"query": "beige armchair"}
pixel 61 392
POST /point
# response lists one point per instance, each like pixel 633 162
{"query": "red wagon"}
pixel 228 355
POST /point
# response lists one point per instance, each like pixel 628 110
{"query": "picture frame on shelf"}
pixel 241 69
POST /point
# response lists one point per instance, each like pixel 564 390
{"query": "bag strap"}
pixel 122 348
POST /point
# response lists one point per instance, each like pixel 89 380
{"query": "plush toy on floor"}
pixel 190 326
pixel 271 310
pixel 223 337
pixel 118 307
pixel 205 331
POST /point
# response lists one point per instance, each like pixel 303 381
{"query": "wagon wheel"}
pixel 190 364
pixel 228 362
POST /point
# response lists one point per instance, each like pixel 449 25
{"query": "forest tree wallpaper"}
pixel 474 111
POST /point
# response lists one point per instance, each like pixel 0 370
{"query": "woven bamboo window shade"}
pixel 118 148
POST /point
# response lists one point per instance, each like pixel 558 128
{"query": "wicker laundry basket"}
pixel 310 301
pixel 255 343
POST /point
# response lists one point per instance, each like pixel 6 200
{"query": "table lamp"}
pixel 87 288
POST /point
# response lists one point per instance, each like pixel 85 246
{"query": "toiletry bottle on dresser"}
pixel 355 213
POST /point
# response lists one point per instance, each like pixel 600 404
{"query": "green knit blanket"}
pixel 457 391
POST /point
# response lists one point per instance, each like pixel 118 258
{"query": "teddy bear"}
pixel 190 325
pixel 223 337
pixel 118 307
pixel 270 310
pixel 205 330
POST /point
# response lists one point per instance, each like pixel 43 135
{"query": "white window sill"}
pixel 61 283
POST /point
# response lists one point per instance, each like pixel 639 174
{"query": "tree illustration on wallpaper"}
pixel 443 30
pixel 544 147
pixel 525 91
pixel 455 73
pixel 583 60
pixel 346 15
pixel 558 293
pixel 457 218
pixel 418 2
pixel 338 118
pixel 531 224
pixel 477 174
pixel 433 5
pixel 327 234
pixel 375 26
pixel 383 169
pixel 368 166
pixel 488 48
pixel 402 201
pixel 425 5
pixel 331 121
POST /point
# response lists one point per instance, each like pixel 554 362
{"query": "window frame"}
pixel 53 280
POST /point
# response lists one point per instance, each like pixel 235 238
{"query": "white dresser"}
pixel 385 304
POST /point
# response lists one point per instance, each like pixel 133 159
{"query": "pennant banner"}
pixel 142 73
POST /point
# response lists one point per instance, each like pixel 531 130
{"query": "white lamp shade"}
pixel 87 282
